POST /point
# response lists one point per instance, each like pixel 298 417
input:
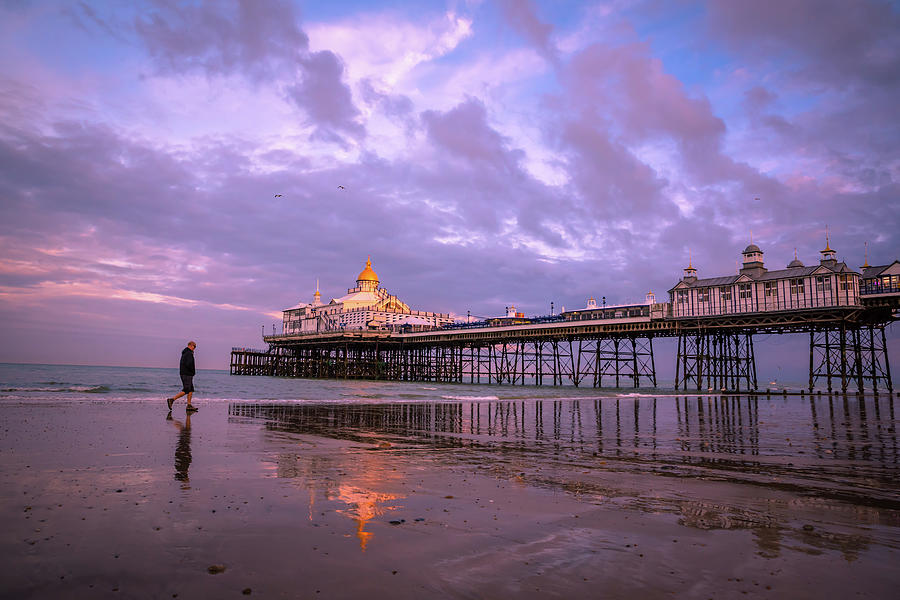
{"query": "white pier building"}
pixel 366 306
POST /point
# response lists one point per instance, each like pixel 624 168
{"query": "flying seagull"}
pixel 340 187
pixel 278 195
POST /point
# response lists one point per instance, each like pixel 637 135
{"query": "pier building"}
pixel 755 289
pixel 880 281
pixel 366 306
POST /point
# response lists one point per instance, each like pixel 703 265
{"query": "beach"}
pixel 477 496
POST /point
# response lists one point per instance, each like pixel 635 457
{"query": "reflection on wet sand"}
pixel 704 430
pixel 182 449
pixel 804 457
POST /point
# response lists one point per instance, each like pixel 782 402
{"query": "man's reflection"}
pixel 182 448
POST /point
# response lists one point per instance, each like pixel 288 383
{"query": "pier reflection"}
pixel 773 432
pixel 804 456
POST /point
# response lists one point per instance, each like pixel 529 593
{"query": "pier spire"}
pixel 829 256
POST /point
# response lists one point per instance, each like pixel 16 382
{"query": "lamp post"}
pixel 604 301
pixel 551 308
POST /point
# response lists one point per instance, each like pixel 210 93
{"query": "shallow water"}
pixel 38 383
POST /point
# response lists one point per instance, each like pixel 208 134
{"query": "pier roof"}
pixel 875 271
pixel 791 273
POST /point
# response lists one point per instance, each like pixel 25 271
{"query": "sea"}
pixel 101 384
pixel 104 384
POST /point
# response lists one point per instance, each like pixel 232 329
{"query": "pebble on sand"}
pixel 215 569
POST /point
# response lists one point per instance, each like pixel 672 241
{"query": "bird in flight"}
pixel 278 195
pixel 340 187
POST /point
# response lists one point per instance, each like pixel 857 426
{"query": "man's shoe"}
pixel 192 409
pixel 169 401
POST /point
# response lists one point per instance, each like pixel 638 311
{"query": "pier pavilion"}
pixel 364 307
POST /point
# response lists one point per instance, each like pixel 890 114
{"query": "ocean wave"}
pixel 470 397
pixel 75 389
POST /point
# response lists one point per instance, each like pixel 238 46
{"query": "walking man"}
pixel 186 370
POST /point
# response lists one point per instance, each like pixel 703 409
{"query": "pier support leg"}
pixel 850 351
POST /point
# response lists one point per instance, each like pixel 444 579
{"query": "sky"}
pixel 186 170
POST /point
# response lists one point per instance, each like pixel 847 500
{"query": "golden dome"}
pixel 368 274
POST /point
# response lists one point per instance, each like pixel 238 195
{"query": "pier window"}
pixel 745 291
pixel 703 295
pixel 725 293
pixel 682 295
pixel 823 283
pixel 798 288
pixel 771 289
pixel 845 283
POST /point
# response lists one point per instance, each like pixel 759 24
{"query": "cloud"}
pixel 260 40
pixel 522 16
pixel 825 41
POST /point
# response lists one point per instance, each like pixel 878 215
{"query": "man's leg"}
pixel 189 394
pixel 178 395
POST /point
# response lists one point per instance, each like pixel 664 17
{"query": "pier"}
pixel 843 313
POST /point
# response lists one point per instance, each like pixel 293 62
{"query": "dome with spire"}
pixel 368 274
pixel 751 249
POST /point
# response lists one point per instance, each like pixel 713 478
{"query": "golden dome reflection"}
pixel 368 274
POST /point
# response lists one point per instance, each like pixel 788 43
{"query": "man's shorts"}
pixel 187 382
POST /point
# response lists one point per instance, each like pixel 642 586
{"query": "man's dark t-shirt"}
pixel 186 368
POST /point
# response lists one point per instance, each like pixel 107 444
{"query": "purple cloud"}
pixel 260 40
pixel 522 16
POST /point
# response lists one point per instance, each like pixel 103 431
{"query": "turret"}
pixel 317 297
pixel 829 256
pixel 753 261
pixel 690 273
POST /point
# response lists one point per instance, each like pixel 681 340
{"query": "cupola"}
pixel 690 273
pixel 753 256
pixel 795 264
pixel 753 260
pixel 367 278
pixel 317 297
pixel 829 256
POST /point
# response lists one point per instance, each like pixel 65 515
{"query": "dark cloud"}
pixel 522 16
pixel 837 69
pixel 260 40
pixel 827 40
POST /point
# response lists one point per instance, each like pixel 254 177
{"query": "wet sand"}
pixel 689 497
